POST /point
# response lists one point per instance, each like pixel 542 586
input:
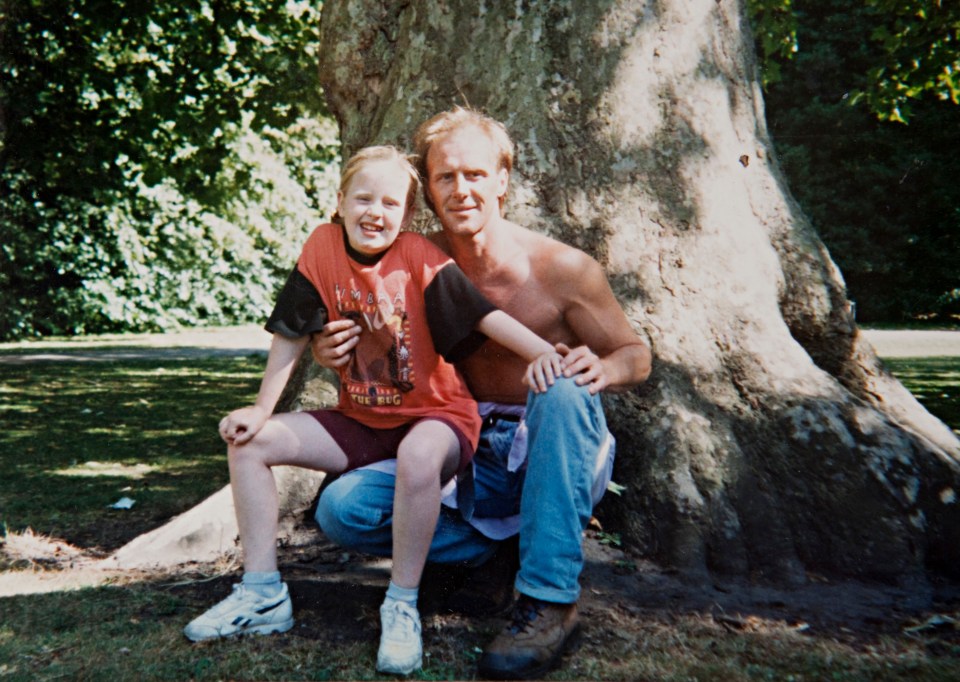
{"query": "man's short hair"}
pixel 448 121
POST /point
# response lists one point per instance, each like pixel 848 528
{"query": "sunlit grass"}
pixel 935 382
pixel 75 437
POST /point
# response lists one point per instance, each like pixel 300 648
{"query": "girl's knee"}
pixel 419 469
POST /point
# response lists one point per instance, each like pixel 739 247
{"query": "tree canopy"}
pixel 880 193
pixel 914 47
pixel 160 161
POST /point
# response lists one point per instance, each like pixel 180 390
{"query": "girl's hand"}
pixel 240 426
pixel 542 372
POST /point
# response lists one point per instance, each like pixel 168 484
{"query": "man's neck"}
pixel 486 251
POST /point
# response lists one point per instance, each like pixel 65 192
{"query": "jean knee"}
pixel 331 511
pixel 564 395
pixel 348 516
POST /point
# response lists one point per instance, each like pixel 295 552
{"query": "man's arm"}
pixel 611 355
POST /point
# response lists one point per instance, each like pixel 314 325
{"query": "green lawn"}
pixel 935 382
pixel 76 437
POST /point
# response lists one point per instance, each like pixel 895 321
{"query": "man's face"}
pixel 465 180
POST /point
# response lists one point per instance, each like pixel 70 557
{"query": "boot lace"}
pixel 526 611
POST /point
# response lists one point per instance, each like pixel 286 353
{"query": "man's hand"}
pixel 586 366
pixel 331 347
pixel 240 426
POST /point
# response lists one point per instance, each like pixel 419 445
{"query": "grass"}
pixel 935 382
pixel 76 437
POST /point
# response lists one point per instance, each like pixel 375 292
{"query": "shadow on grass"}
pixel 75 437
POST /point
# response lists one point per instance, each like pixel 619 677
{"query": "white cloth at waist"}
pixel 502 528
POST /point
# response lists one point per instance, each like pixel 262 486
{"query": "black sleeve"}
pixel 299 310
pixel 454 307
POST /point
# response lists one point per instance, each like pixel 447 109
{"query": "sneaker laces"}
pixel 225 605
pixel 396 612
pixel 526 611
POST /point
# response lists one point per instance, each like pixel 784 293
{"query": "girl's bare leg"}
pixel 286 439
pixel 428 456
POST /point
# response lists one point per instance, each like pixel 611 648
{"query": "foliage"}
pixel 914 47
pixel 920 41
pixel 775 32
pixel 881 194
pixel 160 162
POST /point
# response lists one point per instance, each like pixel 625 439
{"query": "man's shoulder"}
pixel 553 254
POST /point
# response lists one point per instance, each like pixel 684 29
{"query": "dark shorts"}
pixel 364 445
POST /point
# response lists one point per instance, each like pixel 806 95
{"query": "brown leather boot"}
pixel 532 644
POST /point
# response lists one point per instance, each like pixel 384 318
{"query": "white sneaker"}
pixel 401 650
pixel 244 611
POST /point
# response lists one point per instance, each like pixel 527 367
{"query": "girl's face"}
pixel 373 206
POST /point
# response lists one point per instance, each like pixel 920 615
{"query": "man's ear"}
pixel 503 181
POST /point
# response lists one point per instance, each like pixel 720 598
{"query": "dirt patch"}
pixel 337 594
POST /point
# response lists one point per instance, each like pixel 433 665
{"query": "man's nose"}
pixel 460 185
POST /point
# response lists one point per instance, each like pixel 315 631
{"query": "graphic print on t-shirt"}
pixel 379 372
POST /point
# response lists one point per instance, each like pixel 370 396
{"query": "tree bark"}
pixel 769 441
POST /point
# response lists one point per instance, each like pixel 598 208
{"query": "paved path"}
pixel 191 343
pixel 909 343
pixel 252 339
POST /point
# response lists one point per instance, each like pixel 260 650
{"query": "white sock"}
pixel 405 594
pixel 267 584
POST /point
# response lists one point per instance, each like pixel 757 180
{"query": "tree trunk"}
pixel 769 440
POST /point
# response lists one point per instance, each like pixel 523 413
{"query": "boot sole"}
pixel 571 643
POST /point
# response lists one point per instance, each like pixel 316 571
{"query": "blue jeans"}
pixel 566 428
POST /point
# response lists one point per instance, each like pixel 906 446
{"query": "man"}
pixel 561 294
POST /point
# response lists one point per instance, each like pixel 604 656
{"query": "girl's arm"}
pixel 241 425
pixel 545 362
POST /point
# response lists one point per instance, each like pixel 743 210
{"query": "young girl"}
pixel 400 396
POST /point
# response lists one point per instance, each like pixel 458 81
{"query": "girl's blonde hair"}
pixel 377 154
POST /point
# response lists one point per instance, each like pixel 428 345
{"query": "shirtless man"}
pixel 563 295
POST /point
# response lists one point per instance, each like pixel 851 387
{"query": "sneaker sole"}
pixel 400 670
pixel 267 629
